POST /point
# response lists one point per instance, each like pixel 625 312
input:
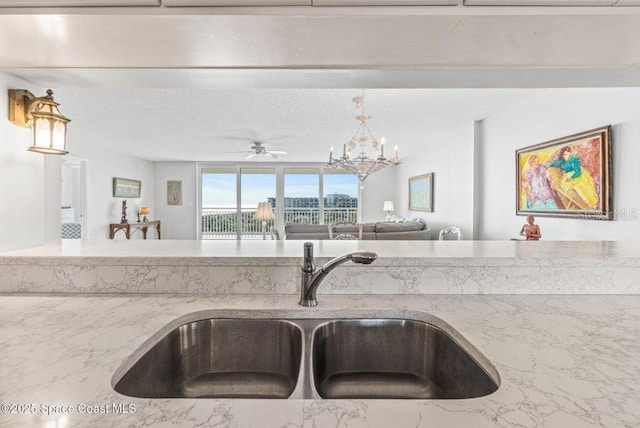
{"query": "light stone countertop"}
pixel 273 267
pixel 564 361
pixel 288 253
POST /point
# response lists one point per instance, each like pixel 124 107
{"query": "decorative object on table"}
pixel 123 218
pixel 343 235
pixel 264 213
pixel 388 207
pixel 138 217
pixel 450 233
pixel 567 177
pixel 126 188
pixel 144 212
pixel 41 114
pixel 530 230
pixel 368 152
pixel 174 192
pixel 421 193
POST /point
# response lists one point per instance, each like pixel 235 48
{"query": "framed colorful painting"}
pixel 421 193
pixel 567 177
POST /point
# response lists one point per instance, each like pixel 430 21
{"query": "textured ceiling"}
pixel 262 49
pixel 202 124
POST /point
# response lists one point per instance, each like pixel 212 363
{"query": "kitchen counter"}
pixel 286 252
pixel 564 361
pixel 273 267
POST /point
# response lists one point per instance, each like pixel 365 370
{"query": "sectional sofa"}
pixel 408 230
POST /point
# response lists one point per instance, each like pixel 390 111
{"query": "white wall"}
pixel 450 158
pixel 378 187
pixel 553 114
pixel 22 175
pixel 178 221
pixel 102 207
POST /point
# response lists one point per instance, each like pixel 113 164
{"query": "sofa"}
pixel 408 230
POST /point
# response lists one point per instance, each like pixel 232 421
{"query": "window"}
pixel 258 185
pixel 301 194
pixel 219 204
pixel 340 196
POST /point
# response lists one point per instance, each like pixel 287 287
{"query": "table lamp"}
pixel 264 213
pixel 144 212
pixel 388 207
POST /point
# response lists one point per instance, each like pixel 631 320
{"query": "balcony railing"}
pixel 222 223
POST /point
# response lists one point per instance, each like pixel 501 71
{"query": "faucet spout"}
pixel 312 277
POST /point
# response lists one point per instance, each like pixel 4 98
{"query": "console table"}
pixel 144 226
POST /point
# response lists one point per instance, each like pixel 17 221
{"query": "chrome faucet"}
pixel 311 278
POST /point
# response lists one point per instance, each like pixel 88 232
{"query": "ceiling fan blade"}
pixel 278 152
pixel 250 156
pixel 273 155
pixel 234 153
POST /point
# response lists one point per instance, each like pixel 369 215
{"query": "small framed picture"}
pixel 421 193
pixel 126 188
pixel 174 192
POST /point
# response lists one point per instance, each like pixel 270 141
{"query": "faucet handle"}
pixel 308 266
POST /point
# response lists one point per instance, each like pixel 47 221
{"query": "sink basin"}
pixel 215 358
pixel 393 358
pixel 215 354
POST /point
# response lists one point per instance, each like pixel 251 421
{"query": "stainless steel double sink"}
pixel 279 357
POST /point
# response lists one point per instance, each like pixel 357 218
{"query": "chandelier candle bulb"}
pixel 331 154
pixel 395 155
pixel 344 150
pixel 382 147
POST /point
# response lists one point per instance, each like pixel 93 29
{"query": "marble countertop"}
pixel 564 361
pixel 252 252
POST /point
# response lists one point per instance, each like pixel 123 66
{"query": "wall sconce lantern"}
pixel 48 125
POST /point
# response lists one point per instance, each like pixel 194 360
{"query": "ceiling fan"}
pixel 258 149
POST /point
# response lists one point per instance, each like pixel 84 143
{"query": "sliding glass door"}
pixel 257 185
pixel 301 195
pixel 340 196
pixel 219 203
pixel 230 196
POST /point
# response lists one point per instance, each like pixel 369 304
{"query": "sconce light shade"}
pixel 48 125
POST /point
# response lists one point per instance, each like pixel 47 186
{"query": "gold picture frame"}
pixel 568 177
pixel 421 193
pixel 126 188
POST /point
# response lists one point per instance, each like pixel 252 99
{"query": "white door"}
pixel 74 198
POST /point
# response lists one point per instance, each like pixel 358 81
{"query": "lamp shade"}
pixel 388 206
pixel 144 210
pixel 264 212
pixel 48 125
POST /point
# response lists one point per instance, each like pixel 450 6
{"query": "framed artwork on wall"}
pixel 567 177
pixel 174 192
pixel 126 188
pixel 421 193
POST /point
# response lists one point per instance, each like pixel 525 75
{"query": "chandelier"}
pixel 363 154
